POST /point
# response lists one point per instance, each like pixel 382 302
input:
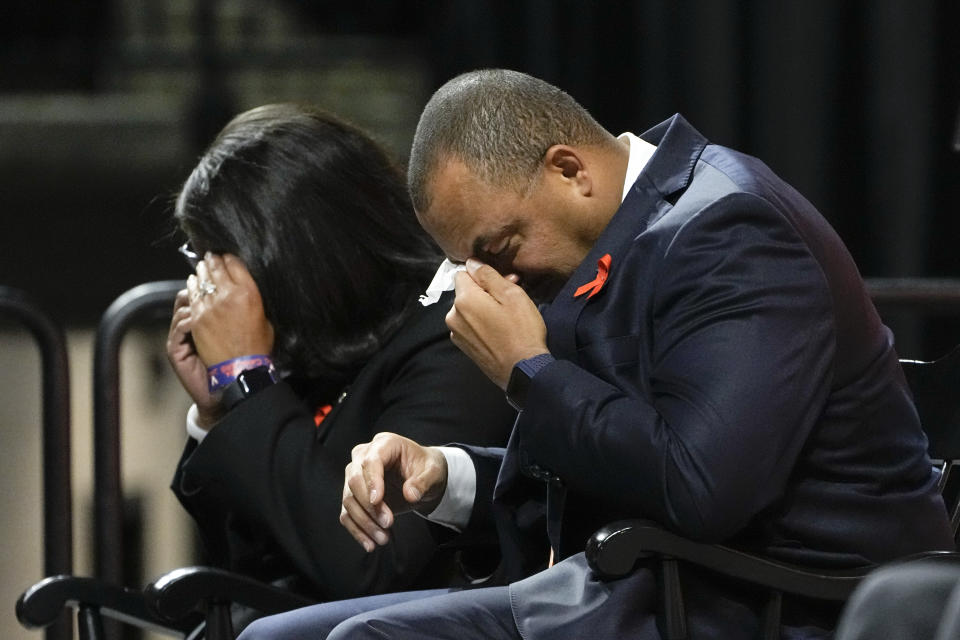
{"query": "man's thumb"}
pixel 412 491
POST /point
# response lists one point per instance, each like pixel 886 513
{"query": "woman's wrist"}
pixel 223 373
pixel 209 416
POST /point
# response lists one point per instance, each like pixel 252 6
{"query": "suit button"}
pixel 537 472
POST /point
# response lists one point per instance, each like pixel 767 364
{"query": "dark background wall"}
pixel 104 106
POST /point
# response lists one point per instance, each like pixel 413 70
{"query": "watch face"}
pixel 253 380
pixel 247 383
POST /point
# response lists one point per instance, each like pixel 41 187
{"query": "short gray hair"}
pixel 499 123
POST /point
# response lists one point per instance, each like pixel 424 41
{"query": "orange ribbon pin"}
pixel 603 270
pixel 321 413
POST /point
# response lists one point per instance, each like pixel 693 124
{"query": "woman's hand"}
pixel 213 323
pixel 226 311
pixel 188 366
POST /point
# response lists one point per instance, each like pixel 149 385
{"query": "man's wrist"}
pixel 455 506
pixel 520 377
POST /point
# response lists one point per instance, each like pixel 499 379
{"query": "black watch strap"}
pixel 247 383
pixel 519 383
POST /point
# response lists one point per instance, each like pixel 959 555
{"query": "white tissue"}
pixel 442 281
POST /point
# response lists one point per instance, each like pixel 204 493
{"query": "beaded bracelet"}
pixel 223 373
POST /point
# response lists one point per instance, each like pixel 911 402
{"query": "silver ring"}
pixel 207 287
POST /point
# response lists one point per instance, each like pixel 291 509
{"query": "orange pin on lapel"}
pixel 321 413
pixel 603 270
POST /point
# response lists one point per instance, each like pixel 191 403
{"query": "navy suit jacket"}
pixel 730 380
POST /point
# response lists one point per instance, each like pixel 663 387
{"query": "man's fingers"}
pixel 356 532
pixel 357 511
pixel 463 284
pixel 370 497
pixel 413 490
pixel 428 477
pixel 360 525
pixel 488 278
pixel 365 482
pixel 371 468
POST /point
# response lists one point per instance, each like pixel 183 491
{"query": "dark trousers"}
pixel 909 601
pixel 474 614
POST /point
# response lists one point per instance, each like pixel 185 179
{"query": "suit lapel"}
pixel 669 170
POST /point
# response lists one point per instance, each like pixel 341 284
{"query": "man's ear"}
pixel 567 163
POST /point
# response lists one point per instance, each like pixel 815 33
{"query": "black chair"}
pixel 185 597
pixel 43 603
pixel 185 603
pixel 182 603
pixel 57 509
pixel 615 550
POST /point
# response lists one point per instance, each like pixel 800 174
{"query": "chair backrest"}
pixel 149 300
pixel 936 394
pixel 57 494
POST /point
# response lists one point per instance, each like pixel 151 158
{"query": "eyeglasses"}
pixel 192 257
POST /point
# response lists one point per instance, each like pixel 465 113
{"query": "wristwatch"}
pixel 247 383
pixel 519 383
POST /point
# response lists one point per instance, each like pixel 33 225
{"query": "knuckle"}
pixel 431 467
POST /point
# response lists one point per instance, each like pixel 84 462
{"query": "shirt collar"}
pixel 640 153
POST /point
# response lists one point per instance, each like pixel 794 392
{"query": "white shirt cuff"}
pixel 457 501
pixel 194 430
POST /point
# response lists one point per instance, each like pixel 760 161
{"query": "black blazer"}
pixel 732 381
pixel 265 485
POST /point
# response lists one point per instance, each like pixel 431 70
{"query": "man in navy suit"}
pixel 704 355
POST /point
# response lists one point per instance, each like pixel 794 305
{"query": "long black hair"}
pixel 321 218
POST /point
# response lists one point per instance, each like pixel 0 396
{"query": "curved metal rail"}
pixel 146 301
pixel 933 295
pixel 57 507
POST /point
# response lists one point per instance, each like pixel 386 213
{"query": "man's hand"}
pixel 228 322
pixel 386 477
pixel 494 322
pixel 187 364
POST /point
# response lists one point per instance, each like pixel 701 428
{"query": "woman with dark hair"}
pixel 299 336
